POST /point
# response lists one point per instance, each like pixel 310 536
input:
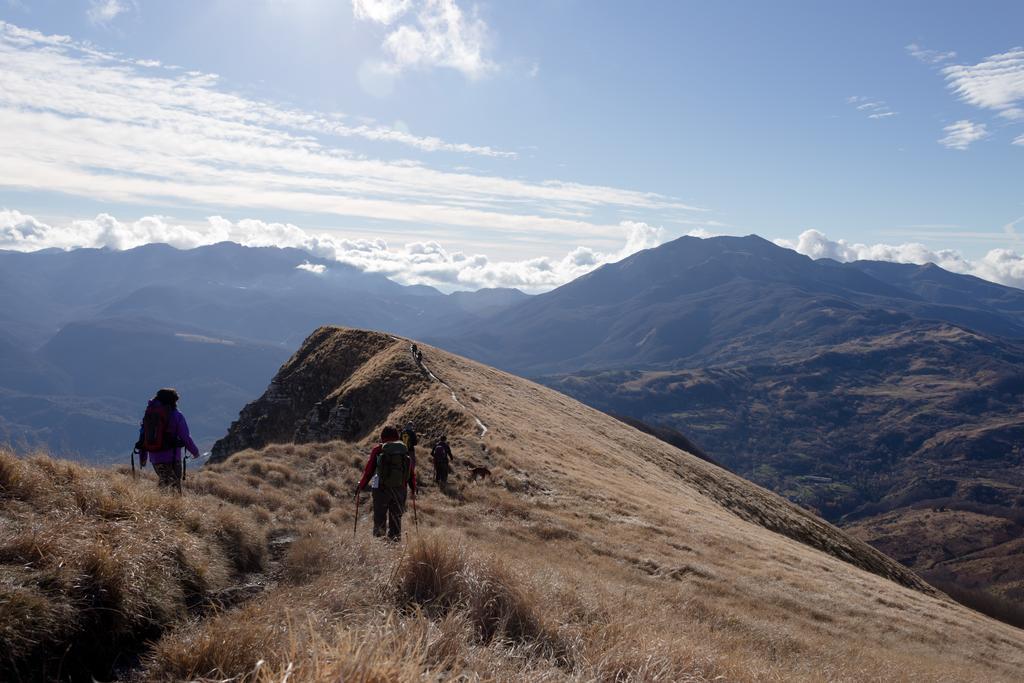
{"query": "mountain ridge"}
pixel 368 373
pixel 668 290
pixel 845 387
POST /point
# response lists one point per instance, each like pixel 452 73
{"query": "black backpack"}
pixel 393 464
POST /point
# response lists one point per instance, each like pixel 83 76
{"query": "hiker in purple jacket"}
pixel 162 435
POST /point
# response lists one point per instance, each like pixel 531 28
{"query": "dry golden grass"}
pixel 92 563
pixel 441 579
pixel 594 553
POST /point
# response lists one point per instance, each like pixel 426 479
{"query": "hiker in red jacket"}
pixel 162 435
pixel 389 469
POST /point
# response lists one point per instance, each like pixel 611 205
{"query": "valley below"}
pixel 876 435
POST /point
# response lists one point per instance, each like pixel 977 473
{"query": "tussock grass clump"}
pixel 279 474
pixel 311 553
pixel 390 650
pixel 93 564
pixel 240 538
pixel 240 491
pixel 274 643
pixel 441 578
pixel 319 502
pixel 17 481
pixel 228 646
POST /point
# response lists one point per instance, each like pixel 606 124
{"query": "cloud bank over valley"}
pixel 1003 266
pixel 430 263
pixel 426 262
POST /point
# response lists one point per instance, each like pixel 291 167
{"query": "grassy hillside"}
pixel 594 552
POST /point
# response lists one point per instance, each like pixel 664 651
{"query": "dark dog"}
pixel 479 473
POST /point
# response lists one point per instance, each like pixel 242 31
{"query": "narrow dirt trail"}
pixel 419 361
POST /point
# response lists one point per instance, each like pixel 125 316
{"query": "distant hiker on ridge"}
pixel 162 435
pixel 442 455
pixel 389 469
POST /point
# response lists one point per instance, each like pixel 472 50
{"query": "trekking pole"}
pixel 415 517
pixel 355 522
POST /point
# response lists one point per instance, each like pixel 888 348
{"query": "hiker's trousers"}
pixel 388 506
pixel 168 474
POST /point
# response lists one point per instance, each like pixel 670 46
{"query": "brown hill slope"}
pixel 552 443
pixel 594 552
pixel 605 491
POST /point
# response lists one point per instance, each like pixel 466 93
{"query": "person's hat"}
pixel 167 396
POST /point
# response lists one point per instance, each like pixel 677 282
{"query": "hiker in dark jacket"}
pixel 389 469
pixel 409 438
pixel 162 412
pixel 442 455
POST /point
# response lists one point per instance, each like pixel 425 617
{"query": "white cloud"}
pixel 24 233
pixel 315 268
pixel 87 123
pixel 872 108
pixel 102 12
pixel 996 83
pixel 430 263
pixel 929 56
pixel 962 134
pixel 413 263
pixel 103 72
pixel 998 265
pixel 436 34
pixel 380 11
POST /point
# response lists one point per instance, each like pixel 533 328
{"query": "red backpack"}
pixel 156 426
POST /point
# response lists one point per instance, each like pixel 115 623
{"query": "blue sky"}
pixel 522 143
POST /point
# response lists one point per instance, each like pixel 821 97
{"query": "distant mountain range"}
pixel 86 336
pixel 724 300
pixel 864 390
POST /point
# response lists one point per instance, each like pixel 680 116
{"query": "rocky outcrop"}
pixel 341 384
